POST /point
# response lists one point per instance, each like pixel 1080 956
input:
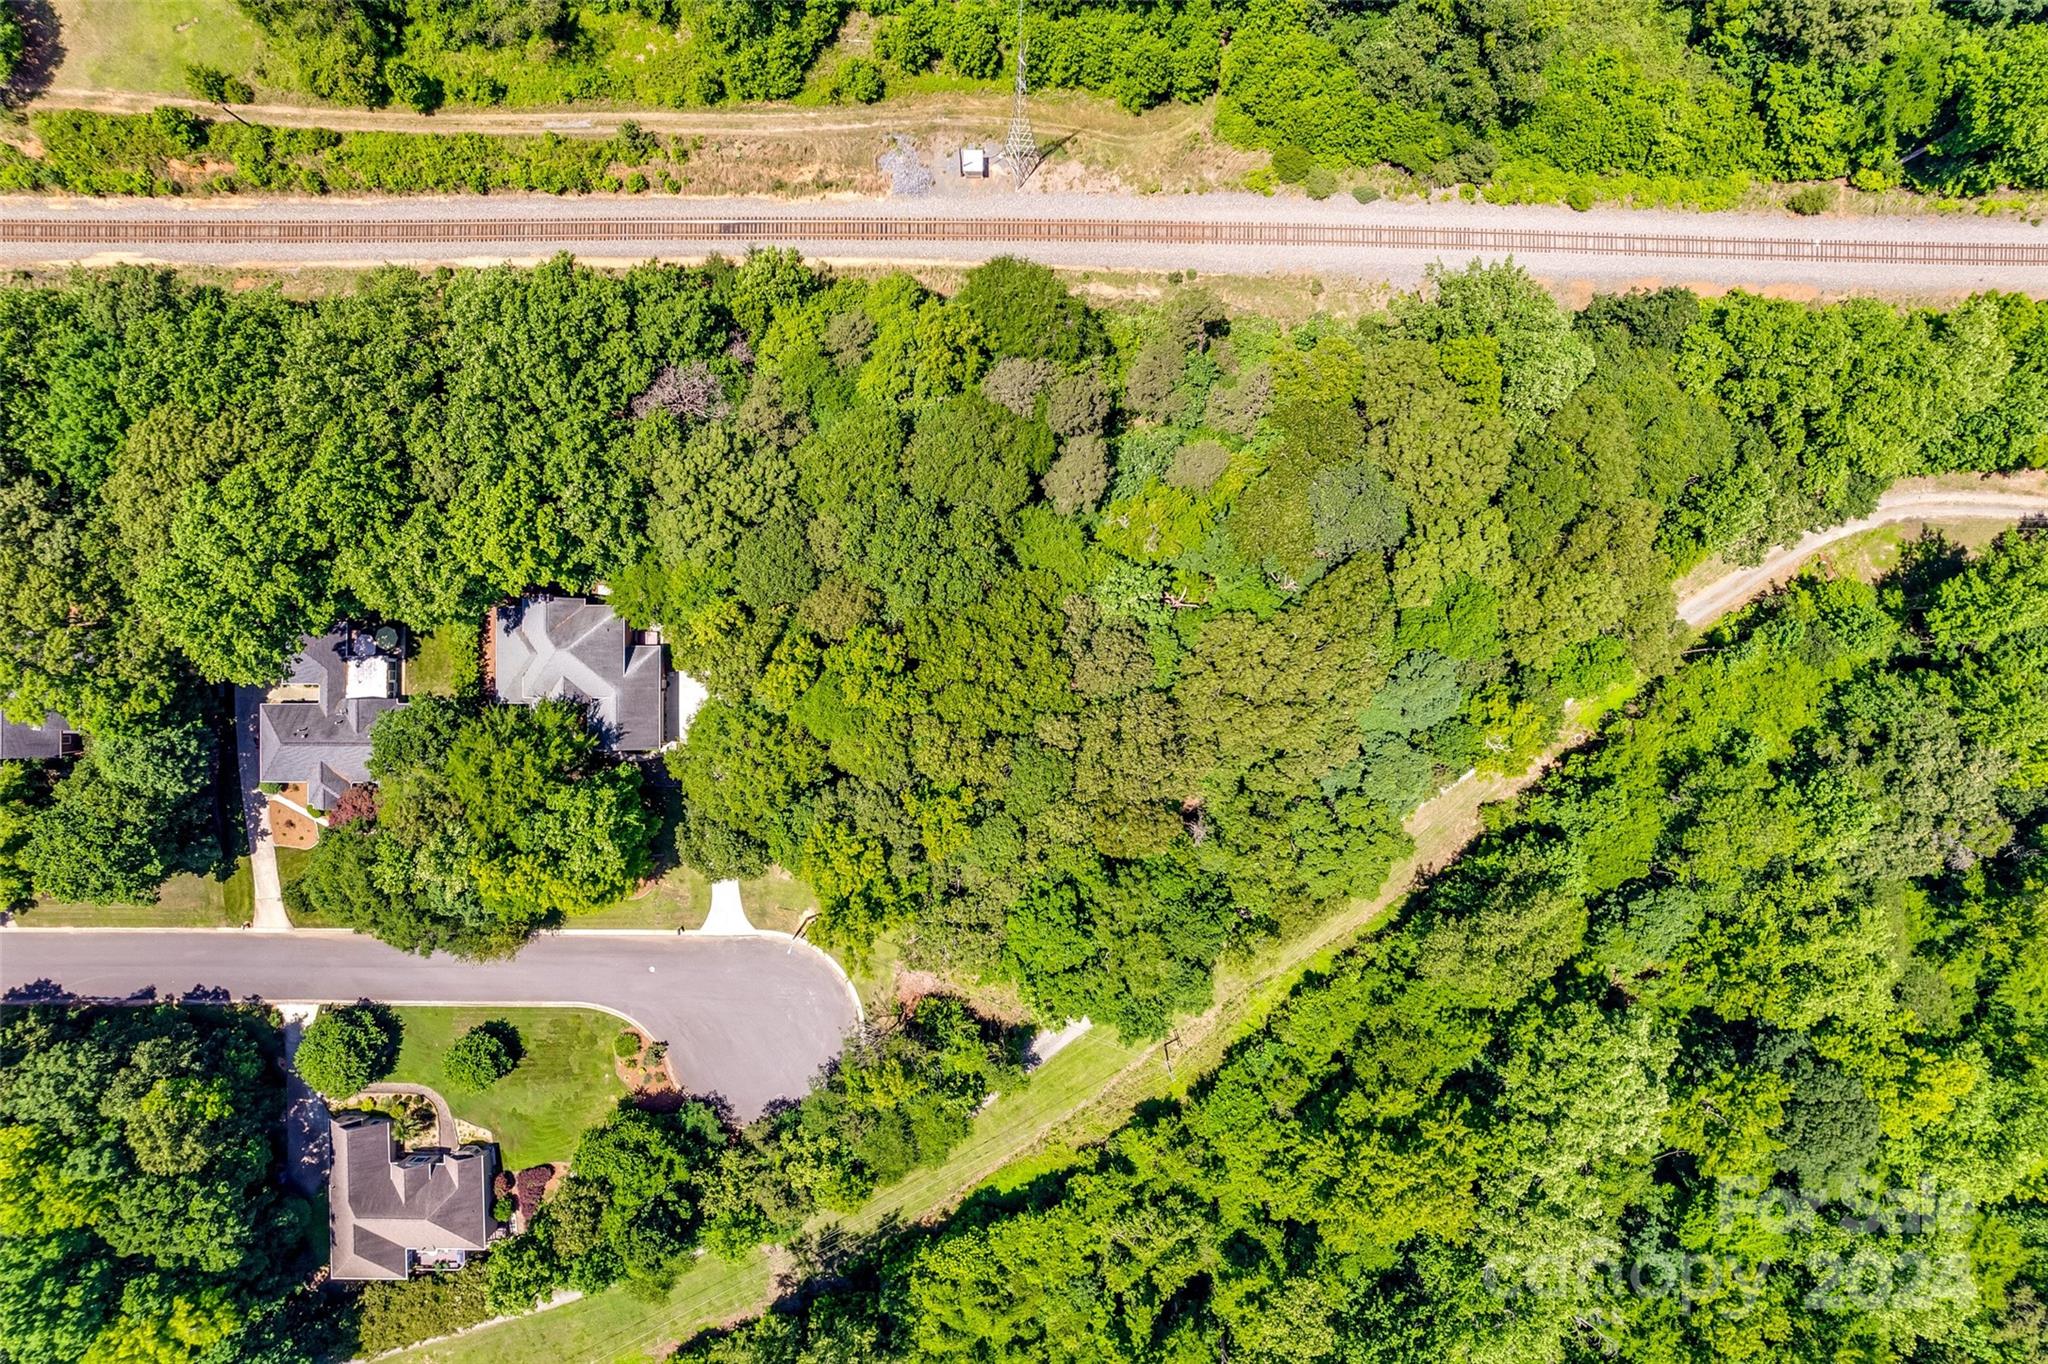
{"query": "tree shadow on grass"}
pixel 40 58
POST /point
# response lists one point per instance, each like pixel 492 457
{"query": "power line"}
pixel 1020 145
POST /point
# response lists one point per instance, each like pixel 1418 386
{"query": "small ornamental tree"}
pixel 347 1048
pixel 357 804
pixel 484 1055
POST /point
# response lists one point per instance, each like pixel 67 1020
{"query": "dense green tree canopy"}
pixel 1741 1003
pixel 1073 647
pixel 490 821
pixel 1660 101
pixel 1065 653
pixel 141 1217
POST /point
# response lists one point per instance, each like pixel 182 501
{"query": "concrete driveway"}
pixel 749 1020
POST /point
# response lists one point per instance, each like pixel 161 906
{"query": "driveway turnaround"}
pixel 749 1020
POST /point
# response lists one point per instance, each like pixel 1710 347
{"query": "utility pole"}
pixel 1020 147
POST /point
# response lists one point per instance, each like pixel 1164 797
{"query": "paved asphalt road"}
pixel 748 1019
pixel 1604 248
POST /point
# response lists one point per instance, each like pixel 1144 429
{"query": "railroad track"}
pixel 821 230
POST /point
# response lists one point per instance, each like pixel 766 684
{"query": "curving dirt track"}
pixel 1732 589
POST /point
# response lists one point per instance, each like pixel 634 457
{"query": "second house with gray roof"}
pixel 549 648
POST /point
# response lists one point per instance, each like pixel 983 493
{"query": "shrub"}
pixel 626 1045
pixel 184 130
pixel 413 87
pixel 1811 200
pixel 407 1311
pixel 1320 183
pixel 529 1185
pixel 216 86
pixel 859 82
pixel 357 803
pixel 484 1055
pixel 93 153
pixel 504 1208
pixel 1291 165
pixel 349 1047
pixel 634 144
pixel 1365 194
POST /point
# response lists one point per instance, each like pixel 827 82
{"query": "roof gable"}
pixel 383 1205
pixel 577 649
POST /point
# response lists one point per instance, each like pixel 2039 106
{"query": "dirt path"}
pixel 966 110
pixel 1998 500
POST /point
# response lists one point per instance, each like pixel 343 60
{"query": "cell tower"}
pixel 1020 147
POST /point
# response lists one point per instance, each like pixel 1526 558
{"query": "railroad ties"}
pixel 824 230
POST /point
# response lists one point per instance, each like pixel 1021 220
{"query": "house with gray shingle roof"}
pixel 577 649
pixel 316 730
pixel 53 738
pixel 389 1211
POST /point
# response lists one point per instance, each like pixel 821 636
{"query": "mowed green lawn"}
pixel 186 901
pixel 564 1083
pixel 143 46
pixel 444 659
pixel 681 898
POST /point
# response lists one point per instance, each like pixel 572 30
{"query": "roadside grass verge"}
pixel 187 901
pixel 681 898
pixel 564 1083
